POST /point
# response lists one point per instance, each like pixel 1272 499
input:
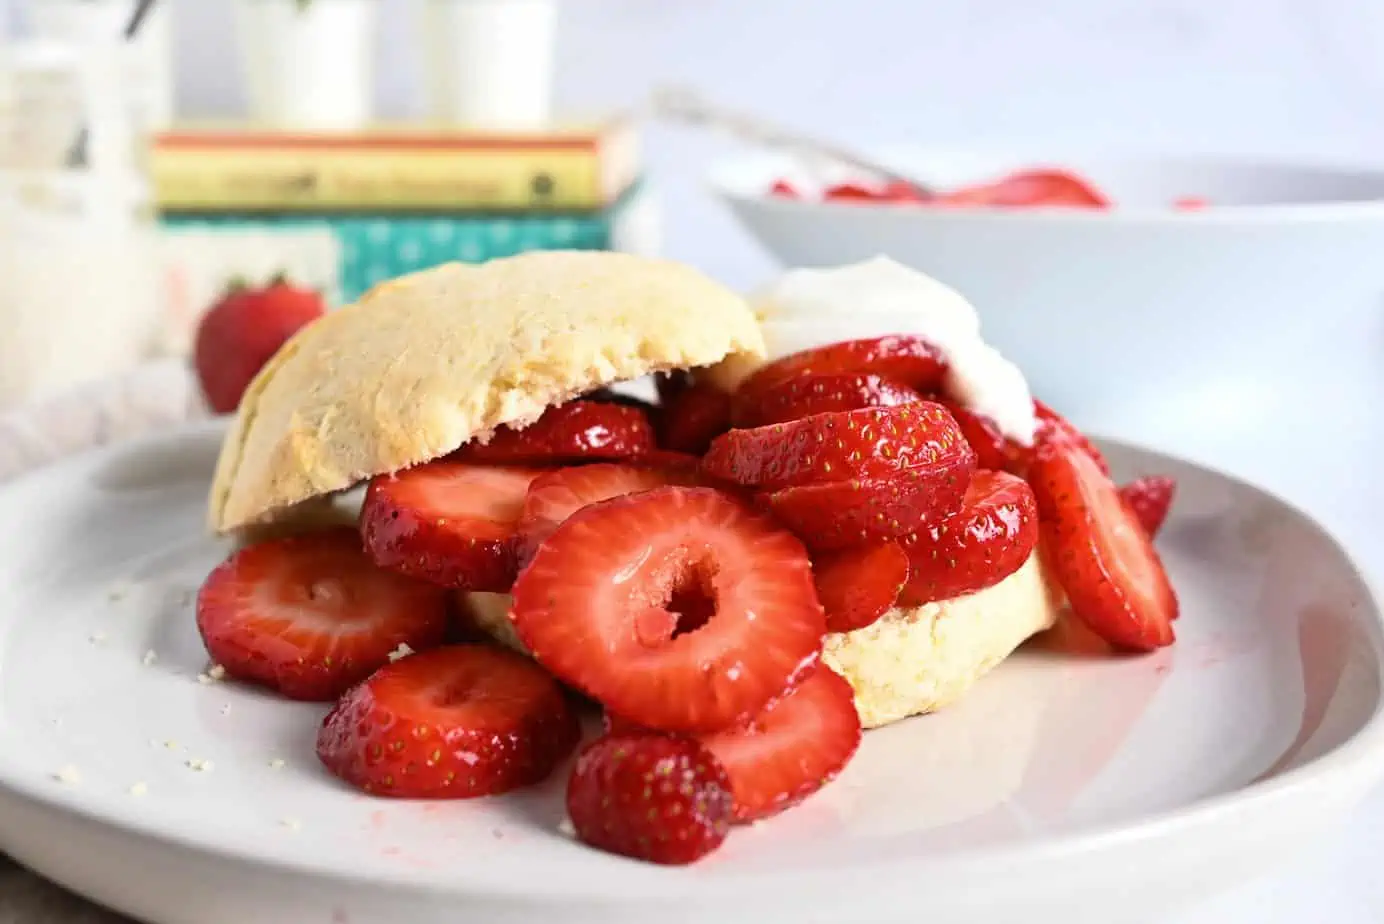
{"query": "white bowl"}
pixel 1141 311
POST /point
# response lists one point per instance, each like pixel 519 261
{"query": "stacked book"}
pixel 346 211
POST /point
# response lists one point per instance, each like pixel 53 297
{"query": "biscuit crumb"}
pixel 171 744
pixel 200 765
pixel 68 775
pixel 566 827
pixel 139 789
pixel 214 674
pixel 97 638
pixel 276 763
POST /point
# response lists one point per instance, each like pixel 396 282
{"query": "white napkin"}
pixel 151 397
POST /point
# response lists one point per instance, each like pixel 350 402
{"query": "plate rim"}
pixel 1347 768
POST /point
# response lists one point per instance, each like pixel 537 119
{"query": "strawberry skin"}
pixel 450 523
pixel 692 417
pixel 792 748
pixel 866 443
pixel 1150 498
pixel 1053 427
pixel 979 545
pixel 996 452
pixel 556 495
pixel 606 602
pixel 1103 558
pixel 452 723
pixel 857 586
pixel 651 797
pixel 818 394
pixel 904 359
pixel 310 615
pixel 578 431
pixel 843 514
pixel 239 334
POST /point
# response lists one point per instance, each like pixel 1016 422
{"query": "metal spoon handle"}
pixel 685 105
pixel 77 153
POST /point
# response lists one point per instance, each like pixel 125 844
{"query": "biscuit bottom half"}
pixel 912 660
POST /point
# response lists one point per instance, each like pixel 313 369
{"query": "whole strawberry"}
pixel 239 334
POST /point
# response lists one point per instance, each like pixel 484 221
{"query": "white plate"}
pixel 1061 783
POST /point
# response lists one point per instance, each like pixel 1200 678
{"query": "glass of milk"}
pixel 490 62
pixel 309 65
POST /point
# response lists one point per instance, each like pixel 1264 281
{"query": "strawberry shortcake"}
pixel 842 508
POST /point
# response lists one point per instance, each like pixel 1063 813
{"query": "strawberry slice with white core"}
pixel 1101 554
pixel 310 615
pixel 610 601
pixel 556 495
pixel 792 748
pixel 450 523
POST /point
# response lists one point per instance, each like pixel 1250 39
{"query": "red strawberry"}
pixel 1042 187
pixel 453 723
pixel 611 396
pixel 1101 555
pixel 817 394
pixel 981 544
pixel 578 431
pixel 451 523
pixel 997 452
pixel 599 606
pixel 841 514
pixel 851 192
pixel 693 417
pixel 899 191
pixel 310 616
pixel 1052 427
pixel 239 334
pixel 859 585
pixel 994 451
pixel 904 359
pixel 555 496
pixel 651 797
pixel 868 443
pixel 665 459
pixel 1150 497
pixel 791 749
pixel 784 189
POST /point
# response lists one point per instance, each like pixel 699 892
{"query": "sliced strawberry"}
pixel 1053 427
pixel 666 459
pixel 599 606
pixel 555 496
pixel 979 545
pixel 859 585
pixel 578 431
pixel 1150 497
pixel 693 417
pixel 784 189
pixel 611 396
pixel 1041 187
pixel 868 443
pixel 451 523
pixel 851 192
pixel 310 615
pixel 817 394
pixel 994 451
pixel 651 797
pixel 792 748
pixel 1106 563
pixel 842 514
pixel 453 723
pixel 905 359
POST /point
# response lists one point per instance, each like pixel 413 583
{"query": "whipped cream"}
pixel 808 308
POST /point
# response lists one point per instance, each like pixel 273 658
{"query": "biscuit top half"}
pixel 432 360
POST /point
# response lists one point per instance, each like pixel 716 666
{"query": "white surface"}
pixel 1165 775
pixel 310 68
pixel 490 62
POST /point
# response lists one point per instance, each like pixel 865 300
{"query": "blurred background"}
pixel 336 143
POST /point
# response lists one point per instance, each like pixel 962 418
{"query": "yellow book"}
pixel 392 169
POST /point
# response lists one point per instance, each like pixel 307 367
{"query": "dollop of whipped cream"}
pixel 808 308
